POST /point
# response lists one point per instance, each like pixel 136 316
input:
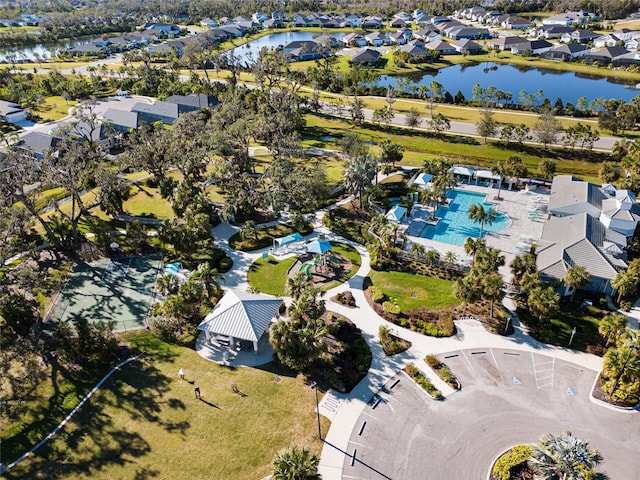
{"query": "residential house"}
pixel 580 240
pixel 472 33
pixel 532 47
pixel 605 55
pixel 377 39
pixel 417 13
pixel 609 40
pixel 631 58
pixel 424 33
pixel 354 39
pixel 164 112
pixel 12 112
pixel 467 47
pixel 367 56
pixel 579 35
pixel 625 34
pixel 569 51
pixel 570 18
pixel 209 22
pixel 371 22
pixel 170 30
pixel 416 53
pixel 100 134
pixel 90 49
pixel 442 47
pixel 121 120
pixel 398 38
pixel 280 16
pixel 515 23
pixel 301 50
pixel 441 19
pixel 168 48
pixel 351 20
pixel 407 32
pixel 423 20
pixel 37 144
pixel 552 31
pixel 234 30
pixel 632 44
pixel 272 23
pixel 404 16
pixel 397 23
pixel 504 43
pixel 259 17
pixel 193 102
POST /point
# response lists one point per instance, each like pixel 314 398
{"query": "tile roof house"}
pixel 442 47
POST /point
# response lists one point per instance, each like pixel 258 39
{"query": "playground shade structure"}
pixel 319 246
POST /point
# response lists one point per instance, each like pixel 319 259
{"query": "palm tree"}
pixel 611 326
pixel 625 283
pixel 359 174
pixel 564 457
pixel 167 285
pixel 474 245
pixel 492 288
pixel 450 257
pixel 418 250
pixel 576 277
pixel 543 301
pixel 521 265
pixel 209 278
pixel 488 260
pixel 502 169
pixel 621 364
pixel 431 257
pixel 466 290
pixel 479 214
pixel 295 464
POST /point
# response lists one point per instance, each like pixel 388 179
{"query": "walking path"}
pixel 344 409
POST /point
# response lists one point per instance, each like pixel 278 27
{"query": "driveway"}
pixel 508 397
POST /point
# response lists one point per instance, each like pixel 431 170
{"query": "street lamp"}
pixel 314 385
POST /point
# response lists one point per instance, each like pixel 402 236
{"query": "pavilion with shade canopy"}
pixel 240 317
pixel 282 241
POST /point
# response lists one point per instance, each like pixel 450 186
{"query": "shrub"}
pixel 432 361
pixel 421 380
pixel 625 306
pixel 377 295
pixel 391 344
pixel 391 308
pixel 514 457
pixel 361 355
pixel 346 298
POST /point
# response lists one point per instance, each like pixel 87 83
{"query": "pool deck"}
pixel 515 204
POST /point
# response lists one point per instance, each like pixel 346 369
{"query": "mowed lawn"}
pixel 147 423
pixel 270 275
pixel 411 291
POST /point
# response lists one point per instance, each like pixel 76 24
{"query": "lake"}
pixel 249 52
pixel 48 50
pixel 568 86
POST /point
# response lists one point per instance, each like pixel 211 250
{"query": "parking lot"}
pixel 507 397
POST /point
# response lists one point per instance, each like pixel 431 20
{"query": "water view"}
pixel 568 86
pixel 249 52
pixel 42 51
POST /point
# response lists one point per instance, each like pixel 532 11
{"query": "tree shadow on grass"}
pixel 92 441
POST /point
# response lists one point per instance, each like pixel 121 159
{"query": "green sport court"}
pixel 118 289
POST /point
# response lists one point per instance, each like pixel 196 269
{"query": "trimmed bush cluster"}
pixel 377 295
pixel 346 298
pixel 511 459
pixel 443 371
pixel 421 380
pixel 390 307
pixel 391 344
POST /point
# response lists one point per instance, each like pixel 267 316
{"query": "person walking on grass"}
pixel 181 373
pixel 197 392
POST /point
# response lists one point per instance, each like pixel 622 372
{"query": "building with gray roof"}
pixel 122 120
pixel 193 102
pixel 164 112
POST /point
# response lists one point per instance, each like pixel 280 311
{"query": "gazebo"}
pixel 462 173
pixel 487 176
pixel 396 214
pixel 423 179
pixel 240 316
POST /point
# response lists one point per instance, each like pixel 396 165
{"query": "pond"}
pixel 42 50
pixel 568 86
pixel 249 52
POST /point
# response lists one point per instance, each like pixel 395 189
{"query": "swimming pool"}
pixel 455 226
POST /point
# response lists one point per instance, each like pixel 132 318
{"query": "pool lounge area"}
pixel 505 235
pixel 455 226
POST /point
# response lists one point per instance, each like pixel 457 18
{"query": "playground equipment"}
pixel 308 265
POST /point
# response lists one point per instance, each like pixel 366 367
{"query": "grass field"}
pixel 147 202
pixel 270 275
pixel 409 291
pixel 145 422
pixel 54 108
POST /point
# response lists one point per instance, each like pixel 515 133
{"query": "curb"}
pixel 609 406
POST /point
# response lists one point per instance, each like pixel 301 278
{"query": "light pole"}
pixel 314 385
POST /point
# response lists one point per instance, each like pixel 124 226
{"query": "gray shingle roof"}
pixel 567 190
pixel 195 101
pixel 121 118
pixel 241 315
pixel 578 240
pixel 37 142
pixel 7 108
pixel 157 110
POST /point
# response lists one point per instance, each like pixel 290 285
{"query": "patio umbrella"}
pixel 319 246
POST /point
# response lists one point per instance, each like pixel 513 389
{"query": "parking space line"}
pixel 356 443
pixel 371 416
pixel 467 359
pixel 494 359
